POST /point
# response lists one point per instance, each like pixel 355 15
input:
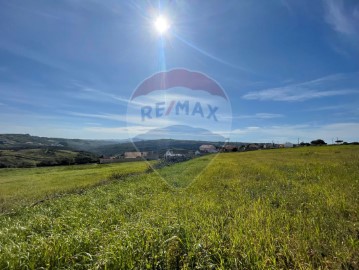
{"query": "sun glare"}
pixel 162 25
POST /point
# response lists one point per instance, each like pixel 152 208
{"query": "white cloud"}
pixel 90 93
pixel 259 116
pixel 115 117
pixel 31 54
pixel 289 94
pixel 305 132
pixel 344 20
pixel 127 118
pixel 328 108
pixel 117 132
pixel 306 90
pixel 49 131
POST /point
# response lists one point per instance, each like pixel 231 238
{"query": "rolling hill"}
pixel 51 156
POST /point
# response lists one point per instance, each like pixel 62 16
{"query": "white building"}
pixel 208 148
pixel 170 154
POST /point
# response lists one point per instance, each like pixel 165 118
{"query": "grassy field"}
pixel 23 187
pixel 275 209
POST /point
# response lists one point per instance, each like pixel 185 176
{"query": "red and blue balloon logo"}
pixel 193 80
pixel 179 104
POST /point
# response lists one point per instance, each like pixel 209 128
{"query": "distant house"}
pixel 229 148
pixel 129 157
pixel 178 155
pixel 135 154
pixel 171 154
pixel 253 146
pixel 208 148
pixel 268 145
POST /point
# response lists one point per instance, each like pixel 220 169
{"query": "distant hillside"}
pixel 24 150
pixel 43 157
pixel 162 139
pixel 26 141
pixel 17 142
pixel 160 146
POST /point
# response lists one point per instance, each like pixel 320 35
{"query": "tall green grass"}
pixel 21 187
pixel 280 209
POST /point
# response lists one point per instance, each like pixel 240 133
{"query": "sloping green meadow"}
pixel 21 187
pixel 275 209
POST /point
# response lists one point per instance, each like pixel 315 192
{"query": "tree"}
pixel 304 144
pixel 318 142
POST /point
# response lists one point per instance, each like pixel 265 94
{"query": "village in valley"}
pixel 185 154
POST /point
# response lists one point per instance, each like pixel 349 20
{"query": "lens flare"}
pixel 162 25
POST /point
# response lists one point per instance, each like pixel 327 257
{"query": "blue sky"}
pixel 290 68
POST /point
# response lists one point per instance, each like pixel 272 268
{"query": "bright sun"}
pixel 162 25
